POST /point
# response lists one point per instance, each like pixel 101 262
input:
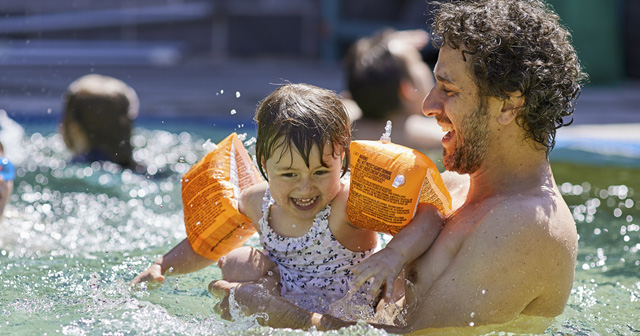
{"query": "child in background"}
pixel 302 150
pixel 97 120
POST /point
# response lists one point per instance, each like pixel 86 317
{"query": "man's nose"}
pixel 431 106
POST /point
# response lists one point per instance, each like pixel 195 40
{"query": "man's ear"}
pixel 510 107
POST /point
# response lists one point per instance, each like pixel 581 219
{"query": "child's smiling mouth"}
pixel 305 203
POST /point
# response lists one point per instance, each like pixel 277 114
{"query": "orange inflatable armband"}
pixel 210 191
pixel 387 183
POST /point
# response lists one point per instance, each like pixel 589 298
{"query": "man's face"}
pixel 455 104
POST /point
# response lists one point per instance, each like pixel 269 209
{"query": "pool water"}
pixel 74 235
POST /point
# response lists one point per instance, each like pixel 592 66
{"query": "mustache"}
pixel 443 119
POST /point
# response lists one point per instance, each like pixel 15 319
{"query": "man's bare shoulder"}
pixel 542 210
pixel 535 235
pixel 542 221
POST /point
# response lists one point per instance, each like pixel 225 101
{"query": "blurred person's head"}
pixel 7 175
pixel 386 74
pixel 97 120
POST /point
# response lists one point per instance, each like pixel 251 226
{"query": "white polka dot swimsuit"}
pixel 314 268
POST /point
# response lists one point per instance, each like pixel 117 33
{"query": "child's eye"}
pixel 321 172
pixel 288 175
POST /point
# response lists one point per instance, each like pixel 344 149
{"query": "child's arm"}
pixel 183 259
pixel 407 245
pixel 180 260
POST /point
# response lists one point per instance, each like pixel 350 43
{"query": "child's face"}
pixel 303 191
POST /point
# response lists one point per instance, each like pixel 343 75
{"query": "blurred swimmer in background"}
pixel 97 120
pixel 387 79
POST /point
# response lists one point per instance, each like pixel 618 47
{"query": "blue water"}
pixel 73 236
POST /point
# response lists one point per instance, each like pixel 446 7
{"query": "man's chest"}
pixel 458 228
pixel 426 269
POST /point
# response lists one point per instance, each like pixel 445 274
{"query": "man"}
pixel 506 77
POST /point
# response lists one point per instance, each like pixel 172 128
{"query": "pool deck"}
pixel 209 88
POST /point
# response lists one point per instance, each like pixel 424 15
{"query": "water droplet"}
pixel 617 212
pixel 233 111
pixel 237 94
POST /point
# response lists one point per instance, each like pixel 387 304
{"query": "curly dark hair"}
pixel 302 115
pixel 516 45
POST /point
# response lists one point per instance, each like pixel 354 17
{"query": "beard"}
pixel 471 143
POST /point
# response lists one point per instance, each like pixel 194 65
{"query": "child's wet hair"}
pixel 302 115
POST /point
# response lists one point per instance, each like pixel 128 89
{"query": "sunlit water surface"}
pixel 74 235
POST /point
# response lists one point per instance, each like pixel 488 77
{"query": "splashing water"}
pixel 354 306
pixel 386 136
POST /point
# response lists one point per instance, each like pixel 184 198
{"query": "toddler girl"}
pixel 302 150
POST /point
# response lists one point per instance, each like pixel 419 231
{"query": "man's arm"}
pixel 263 297
pixel 183 259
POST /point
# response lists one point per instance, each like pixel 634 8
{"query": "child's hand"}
pixel 153 274
pixel 383 266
